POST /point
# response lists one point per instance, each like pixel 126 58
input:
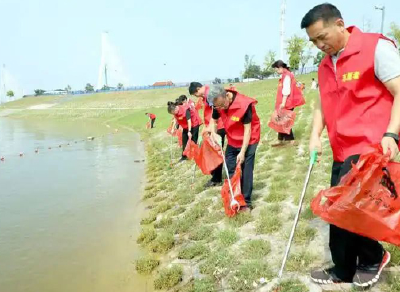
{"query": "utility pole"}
pixel 282 32
pixel 382 8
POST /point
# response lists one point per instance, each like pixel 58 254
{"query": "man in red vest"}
pixel 359 104
pixel 242 126
pixel 152 118
pixel 201 91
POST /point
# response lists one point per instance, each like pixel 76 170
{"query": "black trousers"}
pixel 349 249
pixel 185 138
pixel 217 173
pixel 246 182
pixel 152 123
pixel 286 137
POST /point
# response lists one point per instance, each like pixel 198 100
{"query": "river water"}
pixel 69 216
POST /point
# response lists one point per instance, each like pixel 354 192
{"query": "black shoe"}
pixel 211 184
pixel 182 159
pixel 367 276
pixel 326 276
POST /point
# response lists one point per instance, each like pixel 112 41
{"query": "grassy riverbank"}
pixel 191 245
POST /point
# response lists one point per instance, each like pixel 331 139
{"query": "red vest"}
pixel 181 117
pixel 295 97
pixel 208 111
pixel 232 119
pixel 356 105
pixel 152 116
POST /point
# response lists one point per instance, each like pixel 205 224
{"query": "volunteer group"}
pixel 359 105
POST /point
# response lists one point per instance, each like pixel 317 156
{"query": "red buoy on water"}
pixel 2 158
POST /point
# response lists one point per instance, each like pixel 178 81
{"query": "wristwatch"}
pixel 392 135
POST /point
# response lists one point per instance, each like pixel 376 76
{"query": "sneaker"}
pixel 182 159
pixel 326 276
pixel 211 184
pixel 366 276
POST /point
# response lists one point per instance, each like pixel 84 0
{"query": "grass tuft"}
pixel 168 278
pixel 146 265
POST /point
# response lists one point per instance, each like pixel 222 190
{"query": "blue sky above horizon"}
pixel 51 43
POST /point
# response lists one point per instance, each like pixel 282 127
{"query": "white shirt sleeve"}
pixel 387 61
pixel 286 86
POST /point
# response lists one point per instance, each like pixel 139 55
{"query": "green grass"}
pixel 168 278
pixel 291 286
pixel 201 233
pixel 247 275
pixel 163 242
pixel 218 264
pixel 239 220
pixel 394 254
pixel 146 265
pixel 193 250
pixel 300 261
pixel 268 223
pixel 255 249
pixel 227 237
pixel 146 235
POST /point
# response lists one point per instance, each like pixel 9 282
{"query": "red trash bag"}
pixel 178 133
pixel 192 150
pixel 210 155
pixel 282 120
pixel 170 130
pixel 232 209
pixel 366 201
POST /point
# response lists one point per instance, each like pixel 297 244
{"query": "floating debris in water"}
pixel 21 154
pixel 2 158
pixel 90 138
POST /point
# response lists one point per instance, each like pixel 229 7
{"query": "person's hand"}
pixel 205 130
pixel 315 144
pixel 190 135
pixel 240 157
pixel 281 106
pixel 390 145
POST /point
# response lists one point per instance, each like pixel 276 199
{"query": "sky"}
pixel 49 44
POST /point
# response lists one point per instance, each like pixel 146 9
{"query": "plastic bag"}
pixel 282 120
pixel 231 211
pixel 366 201
pixel 210 155
pixel 148 126
pixel 192 150
pixel 178 133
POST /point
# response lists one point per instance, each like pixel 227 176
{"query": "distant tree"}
pixel 230 80
pixel 10 93
pixel 105 87
pixel 217 81
pixel 120 86
pixel 318 58
pixel 269 59
pixel 39 92
pixel 395 32
pixel 237 79
pixel 89 87
pixel 68 88
pixel 306 55
pixel 251 70
pixel 296 48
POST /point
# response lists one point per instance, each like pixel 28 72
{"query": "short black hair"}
pixel 325 12
pixel 193 87
pixel 280 64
